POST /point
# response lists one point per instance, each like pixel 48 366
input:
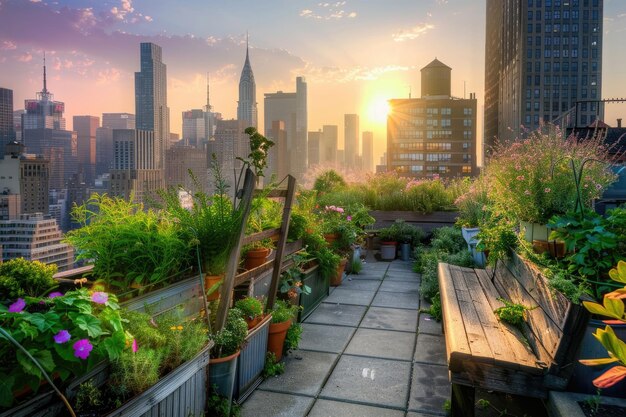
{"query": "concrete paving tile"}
pixel 327 408
pixel 273 404
pixel 390 319
pixel 337 314
pixel 429 325
pixel 402 276
pixel 430 388
pixel 325 338
pixel 412 414
pixel 430 349
pixel 400 286
pixel 353 283
pixel 369 380
pixel 384 344
pixel 305 372
pixel 399 265
pixel 369 274
pixel 396 300
pixel 350 296
pixel 376 266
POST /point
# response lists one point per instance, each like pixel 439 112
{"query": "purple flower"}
pixel 17 306
pixel 99 297
pixel 82 348
pixel 349 218
pixel 62 337
pixel 134 346
pixel 55 294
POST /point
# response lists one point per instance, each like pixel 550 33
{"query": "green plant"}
pixel 435 307
pixel 88 397
pixel 291 282
pixel 532 179
pixel 329 181
pixel 473 204
pixel 272 368
pixel 283 311
pixel 512 313
pixel 328 261
pixel 292 339
pixel 498 237
pixel 135 372
pixel 448 239
pixel 230 339
pixel 67 334
pixel 259 148
pixel 20 277
pixel 250 307
pixel 185 337
pixel 219 406
pixel 356 266
pixel 594 402
pixel 127 244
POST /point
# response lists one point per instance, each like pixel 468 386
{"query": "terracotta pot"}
pixel 276 338
pixel 330 238
pixel 209 281
pixel 256 257
pixel 335 280
pixel 252 323
pixel 556 248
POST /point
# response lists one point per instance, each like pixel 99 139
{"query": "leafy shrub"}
pixel 185 338
pixel 135 372
pixel 19 278
pixel 272 368
pixel 329 181
pixel 448 239
pixel 283 311
pixel 292 339
pixel 250 307
pixel 230 339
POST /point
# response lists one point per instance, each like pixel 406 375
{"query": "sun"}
pixel 377 110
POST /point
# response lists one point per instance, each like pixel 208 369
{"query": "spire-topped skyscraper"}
pixel 247 106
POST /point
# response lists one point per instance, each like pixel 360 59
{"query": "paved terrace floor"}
pixel 366 351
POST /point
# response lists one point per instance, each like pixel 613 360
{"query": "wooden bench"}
pixel 484 353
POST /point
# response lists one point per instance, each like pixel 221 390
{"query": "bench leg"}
pixel 462 401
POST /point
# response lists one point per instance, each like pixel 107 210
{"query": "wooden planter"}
pixel 251 361
pixel 319 290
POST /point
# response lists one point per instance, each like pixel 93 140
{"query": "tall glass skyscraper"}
pixel 151 111
pixel 543 58
pixel 247 105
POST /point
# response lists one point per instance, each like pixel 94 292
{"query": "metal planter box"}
pixel 251 361
pixel 319 290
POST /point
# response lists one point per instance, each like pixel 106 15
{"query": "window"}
pixel 467 169
pixel 467 111
pixel 467 122
pixel 467 134
pixel 446 123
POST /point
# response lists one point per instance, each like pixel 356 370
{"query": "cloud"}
pixel 345 75
pixel 108 76
pixel 328 11
pixel 7 46
pixel 27 57
pixel 412 33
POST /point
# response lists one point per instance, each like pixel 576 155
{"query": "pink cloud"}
pixel 8 46
pixel 27 57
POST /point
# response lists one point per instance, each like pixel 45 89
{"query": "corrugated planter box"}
pixel 187 292
pixel 251 361
pixel 319 290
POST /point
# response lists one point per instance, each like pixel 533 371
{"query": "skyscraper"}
pixel 315 140
pixel 85 128
pixel 7 134
pixel 541 59
pixel 367 151
pixel 194 128
pixel 434 135
pixel 328 145
pixel 152 113
pixel 247 105
pixel 351 140
pixel 118 120
pixel 290 108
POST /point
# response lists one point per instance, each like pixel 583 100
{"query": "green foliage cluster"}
pixel 52 330
pixel 272 368
pixel 497 235
pixel 127 244
pixel 402 232
pixel 356 266
pixel 88 397
pixel 329 181
pixel 512 313
pixel 292 279
pixel 20 278
pixel 283 311
pixel 250 307
pixel 293 337
pixel 230 339
pixel 259 151
pixel 391 192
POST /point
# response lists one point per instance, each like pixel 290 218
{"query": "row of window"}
pixel 562 27
pixel 562 80
pixel 561 53
pixel 431 146
pixel 441 169
pixel 558 3
pixel 566 15
pixel 562 93
pixel 564 66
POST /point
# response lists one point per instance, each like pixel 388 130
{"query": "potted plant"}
pixel 282 315
pixel 256 253
pixel 20 278
pixel 130 247
pixel 252 310
pixel 226 348
pixel 388 243
pixel 534 179
pixel 473 209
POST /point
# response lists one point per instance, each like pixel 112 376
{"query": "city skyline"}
pixel 354 56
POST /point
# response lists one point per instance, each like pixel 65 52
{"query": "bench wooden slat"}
pixel 522 354
pixel 457 344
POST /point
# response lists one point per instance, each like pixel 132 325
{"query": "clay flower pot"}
pixel 276 339
pixel 210 281
pixel 256 257
pixel 335 280
pixel 252 323
pixel 330 238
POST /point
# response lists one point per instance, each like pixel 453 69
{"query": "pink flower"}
pixel 55 294
pixel 82 348
pixel 17 306
pixel 520 178
pixel 349 218
pixel 99 297
pixel 339 210
pixel 134 346
pixel 62 337
pixel 547 190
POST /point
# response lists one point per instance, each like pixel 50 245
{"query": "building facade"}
pixel 542 59
pixel 7 132
pixel 195 128
pixel 118 120
pixel 179 160
pixel 315 139
pixel 367 152
pixel 351 140
pixel 247 106
pixel 328 145
pixel 85 128
pixel 435 135
pixel 35 237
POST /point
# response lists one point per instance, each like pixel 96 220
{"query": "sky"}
pixel 354 54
